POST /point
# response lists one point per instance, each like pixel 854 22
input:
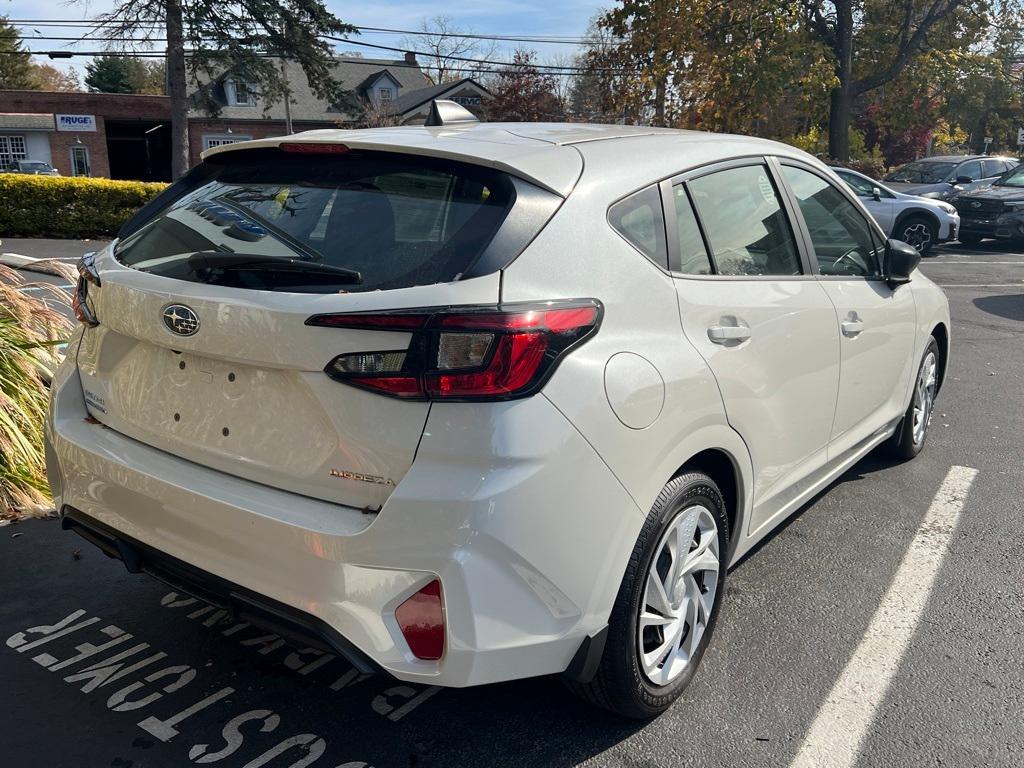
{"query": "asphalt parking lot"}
pixel 814 642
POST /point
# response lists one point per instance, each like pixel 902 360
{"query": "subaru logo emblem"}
pixel 975 204
pixel 181 320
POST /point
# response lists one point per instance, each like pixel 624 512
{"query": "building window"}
pixel 240 93
pixel 385 94
pixel 217 140
pixel 12 148
pixel 80 161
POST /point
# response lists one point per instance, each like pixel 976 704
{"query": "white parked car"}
pixel 480 402
pixel 920 221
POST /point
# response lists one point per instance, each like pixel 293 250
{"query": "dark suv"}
pixel 943 177
pixel 993 211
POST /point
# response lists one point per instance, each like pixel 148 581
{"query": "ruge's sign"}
pixel 76 123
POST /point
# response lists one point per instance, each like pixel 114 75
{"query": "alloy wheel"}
pixel 679 595
pixel 918 235
pixel 924 397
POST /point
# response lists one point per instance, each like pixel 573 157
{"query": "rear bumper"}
pixel 529 561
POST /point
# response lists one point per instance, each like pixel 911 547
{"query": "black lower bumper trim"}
pixel 243 604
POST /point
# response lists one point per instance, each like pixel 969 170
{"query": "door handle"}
pixel 852 328
pixel 723 334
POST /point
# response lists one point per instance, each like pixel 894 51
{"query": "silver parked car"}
pixel 942 177
pixel 923 222
pixel 477 402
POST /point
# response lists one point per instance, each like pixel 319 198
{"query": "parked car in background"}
pixel 943 177
pixel 995 211
pixel 32 167
pixel 490 403
pixel 920 221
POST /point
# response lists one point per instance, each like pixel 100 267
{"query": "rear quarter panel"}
pixel 579 255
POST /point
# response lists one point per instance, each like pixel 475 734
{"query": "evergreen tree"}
pixel 247 38
pixel 15 61
pixel 115 74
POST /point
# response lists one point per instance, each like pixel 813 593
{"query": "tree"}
pixel 445 45
pixel 874 41
pixel 248 38
pixel 15 61
pixel 522 93
pixel 46 77
pixel 114 74
pixel 592 92
pixel 125 74
pixel 712 64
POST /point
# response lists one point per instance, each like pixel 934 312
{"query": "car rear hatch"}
pixel 202 345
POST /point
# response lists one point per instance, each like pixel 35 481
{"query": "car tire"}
pixel 626 683
pixel 918 231
pixel 966 239
pixel 912 432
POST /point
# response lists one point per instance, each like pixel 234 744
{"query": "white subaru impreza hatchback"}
pixel 475 402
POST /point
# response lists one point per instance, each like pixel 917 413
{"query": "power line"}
pixel 513 38
pixel 558 69
pixel 66 54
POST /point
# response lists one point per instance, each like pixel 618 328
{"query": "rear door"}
pixel 203 348
pixel 764 325
pixel 876 324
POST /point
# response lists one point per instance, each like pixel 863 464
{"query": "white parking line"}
pixel 982 285
pixel 835 737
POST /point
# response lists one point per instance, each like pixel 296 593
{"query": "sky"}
pixel 502 17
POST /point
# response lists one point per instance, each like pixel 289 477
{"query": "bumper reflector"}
pixel 421 619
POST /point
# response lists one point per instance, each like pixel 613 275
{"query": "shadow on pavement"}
pixel 1011 307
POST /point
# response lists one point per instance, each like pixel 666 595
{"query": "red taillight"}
pixel 421 619
pixel 466 353
pixel 313 148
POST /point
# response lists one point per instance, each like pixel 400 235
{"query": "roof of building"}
pixel 550 154
pixel 27 121
pixel 411 99
pixel 373 77
pixel 306 106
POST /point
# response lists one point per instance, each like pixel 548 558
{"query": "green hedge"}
pixel 64 206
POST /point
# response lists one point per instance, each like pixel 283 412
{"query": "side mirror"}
pixel 964 180
pixel 901 260
pixel 876 193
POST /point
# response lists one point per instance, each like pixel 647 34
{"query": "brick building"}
pixel 120 136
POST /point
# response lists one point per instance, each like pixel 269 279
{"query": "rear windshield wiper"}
pixel 259 262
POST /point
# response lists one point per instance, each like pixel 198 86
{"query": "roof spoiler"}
pixel 445 112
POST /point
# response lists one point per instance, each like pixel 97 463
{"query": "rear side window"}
pixel 397 220
pixel 745 224
pixel 640 219
pixel 993 168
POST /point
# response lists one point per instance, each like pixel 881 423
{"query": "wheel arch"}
pixel 941 335
pixel 922 212
pixel 722 467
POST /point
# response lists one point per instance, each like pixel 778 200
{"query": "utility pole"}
pixel 287 88
pixel 287 99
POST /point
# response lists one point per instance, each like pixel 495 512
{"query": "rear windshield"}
pixel 382 220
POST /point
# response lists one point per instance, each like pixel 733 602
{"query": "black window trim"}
pixel 806 233
pixel 806 264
